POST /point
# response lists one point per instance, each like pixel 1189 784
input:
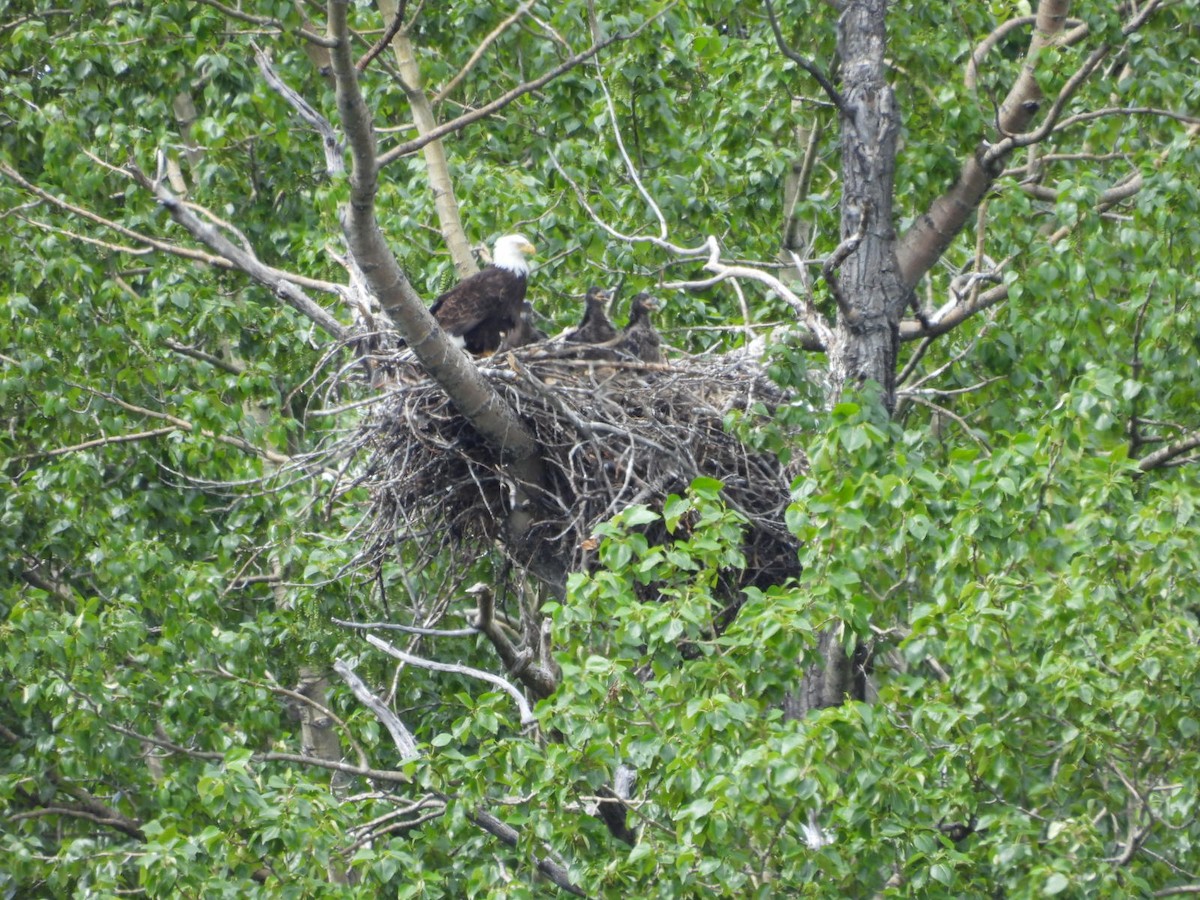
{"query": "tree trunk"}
pixel 865 278
pixel 863 272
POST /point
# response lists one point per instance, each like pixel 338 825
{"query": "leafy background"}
pixel 1031 593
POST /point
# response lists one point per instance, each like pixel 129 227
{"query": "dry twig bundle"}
pixel 613 433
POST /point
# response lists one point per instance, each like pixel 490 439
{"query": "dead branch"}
pixel 803 62
pixel 401 736
pixel 521 90
pixel 527 716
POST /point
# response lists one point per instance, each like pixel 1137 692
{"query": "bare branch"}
pixel 942 411
pixel 479 51
pixel 803 62
pixel 527 716
pixel 437 166
pixel 401 736
pixel 335 163
pixel 810 317
pixel 409 629
pixel 87 214
pixel 282 284
pixel 629 166
pixel 380 45
pixel 521 90
pixel 184 425
pixel 1153 111
pixel 113 820
pixel 661 243
pixel 266 21
pixel 215 361
pixel 102 441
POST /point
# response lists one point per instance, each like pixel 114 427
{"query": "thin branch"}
pixel 202 356
pixel 83 238
pixel 282 284
pixel 1004 147
pixel 184 425
pixel 629 166
pixel 479 51
pixel 661 243
pixel 970 78
pixel 1126 111
pixel 125 826
pixel 966 427
pixel 164 246
pixel 803 62
pixel 521 90
pixel 100 442
pixel 810 317
pixel 527 716
pixel 390 776
pixel 266 21
pixel 380 45
pixel 409 629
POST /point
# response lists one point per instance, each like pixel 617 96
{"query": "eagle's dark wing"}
pixel 480 308
pixel 640 338
pixel 594 328
pixel 470 301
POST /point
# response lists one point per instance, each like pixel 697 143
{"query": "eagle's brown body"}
pixel 640 339
pixel 595 328
pixel 481 309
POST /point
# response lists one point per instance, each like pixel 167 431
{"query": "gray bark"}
pixel 863 273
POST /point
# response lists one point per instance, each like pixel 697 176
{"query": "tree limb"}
pixel 471 394
pixel 401 736
pixel 803 62
pixel 1165 455
pixel 527 716
pixel 521 90
pixel 478 52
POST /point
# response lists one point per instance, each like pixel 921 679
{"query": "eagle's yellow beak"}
pixel 528 249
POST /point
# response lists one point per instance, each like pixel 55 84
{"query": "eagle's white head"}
pixel 510 252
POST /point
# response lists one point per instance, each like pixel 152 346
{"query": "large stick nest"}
pixel 612 434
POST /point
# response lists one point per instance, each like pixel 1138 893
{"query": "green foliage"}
pixel 1029 595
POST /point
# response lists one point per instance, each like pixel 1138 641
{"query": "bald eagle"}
pixel 594 327
pixel 640 339
pixel 480 309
